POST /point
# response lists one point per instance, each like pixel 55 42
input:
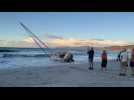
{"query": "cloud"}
pixel 77 42
pixel 53 36
pixel 28 40
pixel 2 43
pixel 72 42
pixel 56 41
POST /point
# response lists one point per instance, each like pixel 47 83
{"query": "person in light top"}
pixel 132 61
pixel 124 62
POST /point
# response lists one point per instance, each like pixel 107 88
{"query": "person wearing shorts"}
pixel 124 63
pixel 132 62
pixel 104 60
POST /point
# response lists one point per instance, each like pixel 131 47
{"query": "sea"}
pixel 35 57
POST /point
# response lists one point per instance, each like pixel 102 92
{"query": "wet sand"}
pixel 67 75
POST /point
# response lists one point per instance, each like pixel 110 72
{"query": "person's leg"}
pixel 101 68
pixel 124 68
pixel 121 69
pixel 106 66
pixel 92 63
pixel 132 68
pixel 89 64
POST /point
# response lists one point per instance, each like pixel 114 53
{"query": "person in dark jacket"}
pixel 119 57
pixel 90 53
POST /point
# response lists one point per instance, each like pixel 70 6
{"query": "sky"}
pixel 67 28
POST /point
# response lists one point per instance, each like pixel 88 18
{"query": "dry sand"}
pixel 67 75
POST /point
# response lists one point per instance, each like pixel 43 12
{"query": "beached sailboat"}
pixel 63 57
pixel 59 56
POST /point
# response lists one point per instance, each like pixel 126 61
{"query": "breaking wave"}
pixel 31 55
pixel 26 55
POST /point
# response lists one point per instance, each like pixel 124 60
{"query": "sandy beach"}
pixel 67 75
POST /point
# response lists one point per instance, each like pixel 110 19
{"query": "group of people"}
pixel 90 53
pixel 123 58
pixel 125 61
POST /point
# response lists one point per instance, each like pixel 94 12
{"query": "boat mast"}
pixel 34 37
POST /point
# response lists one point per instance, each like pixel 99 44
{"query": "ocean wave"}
pixel 8 50
pixel 26 55
pixel 29 55
pixel 32 53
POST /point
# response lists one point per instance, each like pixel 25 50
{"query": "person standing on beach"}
pixel 132 62
pixel 90 53
pixel 104 60
pixel 119 57
pixel 124 63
